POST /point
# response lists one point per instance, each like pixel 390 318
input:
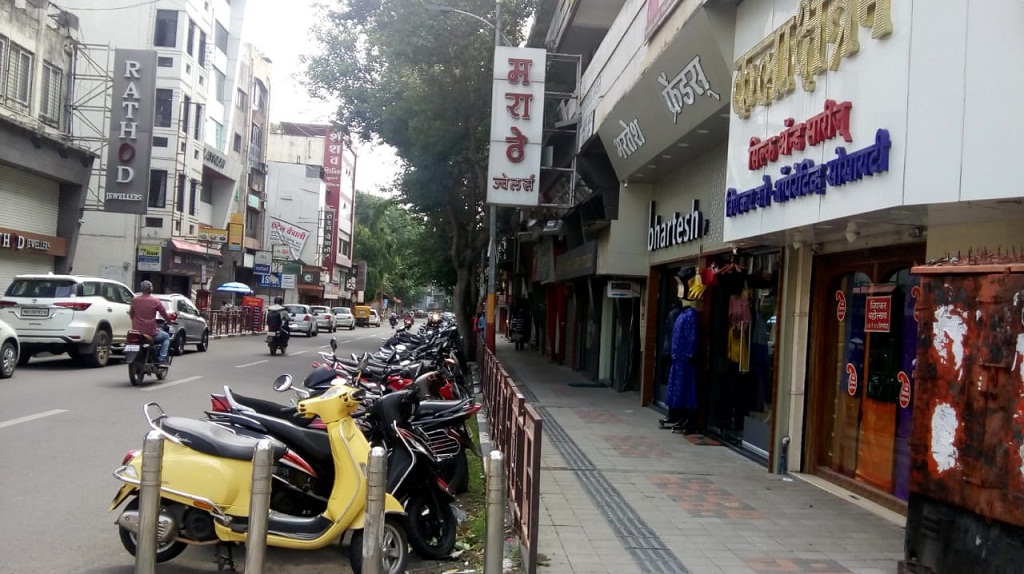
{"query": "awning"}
pixel 189 247
pixel 317 290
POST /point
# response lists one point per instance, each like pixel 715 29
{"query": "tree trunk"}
pixel 463 280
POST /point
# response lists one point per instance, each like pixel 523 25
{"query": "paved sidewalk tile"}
pixel 620 495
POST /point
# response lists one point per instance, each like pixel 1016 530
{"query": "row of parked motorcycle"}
pixel 410 397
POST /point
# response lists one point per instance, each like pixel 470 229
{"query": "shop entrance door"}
pixel 863 347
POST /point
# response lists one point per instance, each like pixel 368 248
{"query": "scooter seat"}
pixel 433 408
pixel 215 440
pixel 311 443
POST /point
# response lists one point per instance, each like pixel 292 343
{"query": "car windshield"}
pixel 319 310
pixel 296 309
pixel 41 288
pixel 342 311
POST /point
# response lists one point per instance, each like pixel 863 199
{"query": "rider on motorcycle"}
pixel 393 319
pixel 143 311
pixel 281 311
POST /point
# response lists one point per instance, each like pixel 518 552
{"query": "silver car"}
pixel 343 318
pixel 324 318
pixel 302 319
pixel 9 350
pixel 189 326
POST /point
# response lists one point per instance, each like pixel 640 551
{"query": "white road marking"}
pixel 298 352
pixel 251 364
pixel 173 383
pixel 13 422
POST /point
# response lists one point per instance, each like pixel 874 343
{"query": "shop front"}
pixel 179 266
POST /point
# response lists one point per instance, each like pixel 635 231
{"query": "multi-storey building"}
pixel 326 153
pixel 191 233
pixel 44 171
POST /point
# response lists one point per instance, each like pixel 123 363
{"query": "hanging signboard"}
pixel 878 314
pixel 292 236
pixel 261 263
pixel 623 289
pixel 148 258
pixel 131 131
pixel 517 118
pixel 212 235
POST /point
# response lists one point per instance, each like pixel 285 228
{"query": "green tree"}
pixel 421 81
pixel 388 237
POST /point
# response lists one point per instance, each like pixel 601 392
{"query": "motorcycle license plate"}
pixel 131 348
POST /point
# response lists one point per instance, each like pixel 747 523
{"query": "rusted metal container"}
pixel 966 506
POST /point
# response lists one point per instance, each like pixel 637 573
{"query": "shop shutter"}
pixel 30 204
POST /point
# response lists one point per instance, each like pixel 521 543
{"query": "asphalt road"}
pixel 63 430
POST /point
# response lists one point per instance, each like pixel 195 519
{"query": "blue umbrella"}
pixel 235 287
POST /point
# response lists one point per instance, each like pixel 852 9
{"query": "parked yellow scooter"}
pixel 207 481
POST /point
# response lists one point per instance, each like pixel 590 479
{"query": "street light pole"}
pixel 492 244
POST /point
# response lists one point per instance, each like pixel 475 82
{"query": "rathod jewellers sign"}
pixel 131 131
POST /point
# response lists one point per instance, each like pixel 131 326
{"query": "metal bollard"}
pixel 494 550
pixel 373 530
pixel 259 507
pixel 149 503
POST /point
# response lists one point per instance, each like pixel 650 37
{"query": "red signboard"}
pixel 334 146
pixel 851 382
pixel 877 314
pixel 840 306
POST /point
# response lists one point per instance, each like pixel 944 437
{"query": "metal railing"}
pixel 516 430
pixel 234 321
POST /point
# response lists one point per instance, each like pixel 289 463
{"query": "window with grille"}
pixel 3 66
pixel 186 107
pixel 164 107
pixel 50 106
pixel 159 141
pixel 198 131
pixel 166 33
pixel 193 196
pixel 259 94
pixel 154 222
pixel 19 75
pixel 165 62
pixel 241 99
pixel 237 145
pixel 158 188
pixel 190 42
pixel 179 198
pixel 202 49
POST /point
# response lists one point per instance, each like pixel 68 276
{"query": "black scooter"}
pixel 143 356
pixel 278 340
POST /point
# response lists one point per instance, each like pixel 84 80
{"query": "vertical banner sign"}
pixel 327 247
pixel 517 123
pixel 235 233
pixel 131 131
pixel 334 145
pixel 361 276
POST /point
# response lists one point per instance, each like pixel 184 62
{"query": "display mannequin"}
pixel 681 394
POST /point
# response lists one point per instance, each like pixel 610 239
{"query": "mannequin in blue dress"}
pixel 681 394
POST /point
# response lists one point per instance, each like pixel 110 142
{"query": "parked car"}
pixel 9 349
pixel 86 317
pixel 374 320
pixel 343 318
pixel 324 318
pixel 302 320
pixel 189 326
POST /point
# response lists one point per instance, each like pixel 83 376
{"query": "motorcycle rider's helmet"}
pixel 408 320
pixel 278 300
pixel 434 319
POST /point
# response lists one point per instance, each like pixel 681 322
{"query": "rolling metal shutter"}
pixel 30 203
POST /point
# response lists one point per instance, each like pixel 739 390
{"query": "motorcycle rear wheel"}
pixel 273 350
pixel 165 552
pixel 136 372
pixel 395 551
pixel 431 526
pixel 455 472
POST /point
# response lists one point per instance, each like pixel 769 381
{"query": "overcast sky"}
pixel 281 30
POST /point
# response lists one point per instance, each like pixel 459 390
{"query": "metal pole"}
pixel 373 531
pixel 492 244
pixel 259 507
pixel 493 551
pixel 149 503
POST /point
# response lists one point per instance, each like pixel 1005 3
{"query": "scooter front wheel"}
pixel 164 552
pixel 394 550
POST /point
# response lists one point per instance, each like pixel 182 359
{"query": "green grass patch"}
pixel 474 502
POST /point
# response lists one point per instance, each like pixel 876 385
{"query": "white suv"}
pixel 86 317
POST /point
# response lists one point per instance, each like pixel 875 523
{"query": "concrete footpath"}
pixel 619 495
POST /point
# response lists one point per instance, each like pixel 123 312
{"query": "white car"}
pixel 302 319
pixel 344 318
pixel 324 318
pixel 86 317
pixel 9 349
pixel 374 320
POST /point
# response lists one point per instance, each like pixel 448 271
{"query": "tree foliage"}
pixel 420 80
pixel 390 238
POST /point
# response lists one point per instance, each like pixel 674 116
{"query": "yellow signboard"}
pixel 235 233
pixel 213 235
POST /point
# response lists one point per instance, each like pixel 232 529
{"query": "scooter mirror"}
pixel 283 383
pixel 334 344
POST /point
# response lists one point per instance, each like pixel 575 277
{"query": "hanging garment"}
pixel 682 377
